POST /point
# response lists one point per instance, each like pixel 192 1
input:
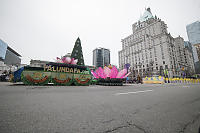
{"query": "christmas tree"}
pixel 77 52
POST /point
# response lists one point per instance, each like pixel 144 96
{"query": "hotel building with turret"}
pixel 151 50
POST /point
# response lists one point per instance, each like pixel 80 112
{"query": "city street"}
pixel 132 108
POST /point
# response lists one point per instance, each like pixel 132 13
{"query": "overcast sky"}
pixel 46 29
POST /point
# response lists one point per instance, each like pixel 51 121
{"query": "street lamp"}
pixel 151 66
pixel 140 64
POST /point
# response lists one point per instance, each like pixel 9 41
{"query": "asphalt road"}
pixel 146 108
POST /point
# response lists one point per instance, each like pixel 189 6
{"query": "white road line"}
pixel 132 92
pixel 186 86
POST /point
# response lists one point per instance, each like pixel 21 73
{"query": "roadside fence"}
pixel 162 80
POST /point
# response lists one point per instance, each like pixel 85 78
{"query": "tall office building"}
pixel 193 32
pixel 101 57
pixel 151 50
pixel 8 57
pixel 188 57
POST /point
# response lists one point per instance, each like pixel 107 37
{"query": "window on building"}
pixel 161 67
pixel 163 62
pixel 163 56
pixel 150 55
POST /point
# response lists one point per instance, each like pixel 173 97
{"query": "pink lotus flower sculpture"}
pixel 67 60
pixel 110 73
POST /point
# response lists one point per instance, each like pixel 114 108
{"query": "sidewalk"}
pixel 5 83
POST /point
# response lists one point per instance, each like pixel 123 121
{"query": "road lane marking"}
pixel 186 86
pixel 134 92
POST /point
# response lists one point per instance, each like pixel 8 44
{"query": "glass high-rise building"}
pixel 193 32
pixel 9 58
pixel 3 48
pixel 101 57
pixel 8 55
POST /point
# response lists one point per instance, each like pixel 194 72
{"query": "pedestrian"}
pixel 139 79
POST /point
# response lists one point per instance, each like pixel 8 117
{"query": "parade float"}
pixel 64 71
pixel 110 76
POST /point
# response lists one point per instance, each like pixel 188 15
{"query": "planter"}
pixel 110 82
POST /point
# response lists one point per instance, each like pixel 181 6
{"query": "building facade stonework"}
pixel 151 50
